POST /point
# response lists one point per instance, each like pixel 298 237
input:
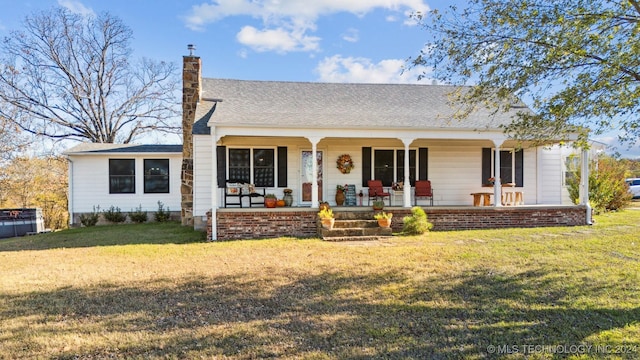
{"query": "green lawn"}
pixel 159 291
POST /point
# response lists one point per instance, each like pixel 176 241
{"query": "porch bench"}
pixel 238 189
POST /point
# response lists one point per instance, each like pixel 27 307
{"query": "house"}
pixel 292 135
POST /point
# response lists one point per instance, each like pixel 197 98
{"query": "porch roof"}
pixel 242 103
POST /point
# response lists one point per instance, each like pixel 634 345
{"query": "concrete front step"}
pixel 354 238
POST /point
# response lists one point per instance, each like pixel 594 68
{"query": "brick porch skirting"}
pixel 301 222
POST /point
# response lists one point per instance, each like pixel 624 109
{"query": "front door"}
pixel 307 175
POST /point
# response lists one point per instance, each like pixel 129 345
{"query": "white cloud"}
pixel 278 40
pixel 340 69
pixel 292 16
pixel 351 35
pixel 76 7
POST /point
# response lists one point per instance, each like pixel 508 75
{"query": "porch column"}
pixel 214 184
pixel 314 169
pixel 406 195
pixel 584 184
pixel 497 184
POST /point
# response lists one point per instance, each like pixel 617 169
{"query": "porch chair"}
pixel 376 190
pixel 238 189
pixel 423 189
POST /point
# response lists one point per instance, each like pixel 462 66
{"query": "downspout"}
pixel 70 190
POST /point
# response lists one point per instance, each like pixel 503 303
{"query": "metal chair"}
pixel 423 189
pixel 376 190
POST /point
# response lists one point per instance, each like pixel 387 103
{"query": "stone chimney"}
pixel 191 90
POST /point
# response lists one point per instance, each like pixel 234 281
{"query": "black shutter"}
pixel 222 165
pixel 366 166
pixel 486 166
pixel 423 153
pixel 520 168
pixel 282 166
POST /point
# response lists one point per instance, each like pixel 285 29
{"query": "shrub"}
pixel 607 188
pixel 114 215
pixel 138 215
pixel 416 223
pixel 90 219
pixel 162 215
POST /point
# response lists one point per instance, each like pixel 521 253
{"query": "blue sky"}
pixel 285 40
pixel 290 40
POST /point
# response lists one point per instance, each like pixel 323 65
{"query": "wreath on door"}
pixel 344 163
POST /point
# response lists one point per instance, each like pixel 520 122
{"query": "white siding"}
pixel 550 175
pixel 91 184
pixel 202 174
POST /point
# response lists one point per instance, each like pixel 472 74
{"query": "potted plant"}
pixel 340 190
pixel 288 198
pixel 384 219
pixel 378 205
pixel 326 218
pixel 270 200
pixel 324 205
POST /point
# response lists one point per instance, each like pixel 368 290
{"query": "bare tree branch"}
pixel 67 76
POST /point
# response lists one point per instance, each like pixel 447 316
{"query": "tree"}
pixel 37 182
pixel 66 76
pixel 577 61
pixel 12 141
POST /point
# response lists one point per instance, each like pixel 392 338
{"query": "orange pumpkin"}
pixel 280 203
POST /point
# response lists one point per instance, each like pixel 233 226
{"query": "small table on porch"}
pixel 486 198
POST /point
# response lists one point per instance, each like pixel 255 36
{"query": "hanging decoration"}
pixel 345 164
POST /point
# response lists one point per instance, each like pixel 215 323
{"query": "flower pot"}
pixel 339 198
pixel 384 222
pixel 288 199
pixel 327 223
pixel 270 202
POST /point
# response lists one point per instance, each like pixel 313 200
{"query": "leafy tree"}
pixel 68 76
pixel 578 61
pixel 36 182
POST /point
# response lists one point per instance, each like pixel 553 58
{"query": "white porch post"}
pixel 214 184
pixel 406 195
pixel 314 169
pixel 584 184
pixel 497 184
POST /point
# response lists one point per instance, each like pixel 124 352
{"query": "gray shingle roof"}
pixel 123 148
pixel 331 105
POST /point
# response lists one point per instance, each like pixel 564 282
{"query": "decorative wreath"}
pixel 345 164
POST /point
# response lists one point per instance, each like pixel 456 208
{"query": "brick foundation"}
pixel 262 223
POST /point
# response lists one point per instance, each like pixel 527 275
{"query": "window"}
pixel 122 176
pixel 511 166
pixel 388 166
pixel 156 176
pixel 256 166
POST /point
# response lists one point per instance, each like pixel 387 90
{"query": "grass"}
pixel 159 291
